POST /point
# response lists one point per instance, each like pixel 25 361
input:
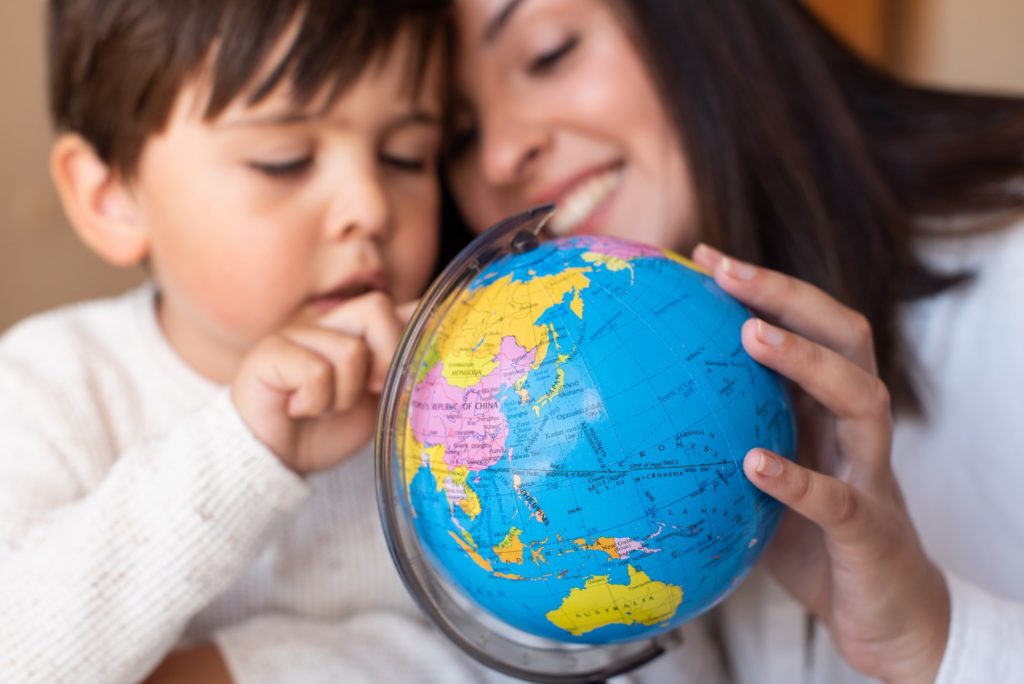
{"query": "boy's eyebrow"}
pixel 291 118
pixel 419 116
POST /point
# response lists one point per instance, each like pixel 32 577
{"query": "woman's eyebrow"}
pixel 500 20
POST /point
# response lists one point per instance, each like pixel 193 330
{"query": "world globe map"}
pixel 570 437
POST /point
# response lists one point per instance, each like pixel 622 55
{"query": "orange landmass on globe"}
pixel 606 544
pixel 473 553
pixel 510 550
pixel 615 547
pixel 600 603
pixel 537 551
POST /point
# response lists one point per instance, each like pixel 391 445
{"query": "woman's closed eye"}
pixel 546 61
pixel 288 168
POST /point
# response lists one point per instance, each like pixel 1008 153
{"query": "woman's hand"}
pixel 852 555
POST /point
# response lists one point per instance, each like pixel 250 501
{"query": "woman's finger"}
pixel 858 399
pixel 829 503
pixel 795 304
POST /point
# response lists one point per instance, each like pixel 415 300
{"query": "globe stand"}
pixel 485 638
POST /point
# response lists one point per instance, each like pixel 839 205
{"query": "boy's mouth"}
pixel 350 288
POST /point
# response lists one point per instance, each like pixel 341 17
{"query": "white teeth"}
pixel 582 200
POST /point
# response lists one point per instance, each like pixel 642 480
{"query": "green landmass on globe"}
pixel 572 437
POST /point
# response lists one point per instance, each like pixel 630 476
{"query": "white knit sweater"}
pixel 137 513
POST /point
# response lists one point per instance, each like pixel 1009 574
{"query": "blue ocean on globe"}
pixel 573 441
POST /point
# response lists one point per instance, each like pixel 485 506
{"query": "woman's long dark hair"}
pixel 808 160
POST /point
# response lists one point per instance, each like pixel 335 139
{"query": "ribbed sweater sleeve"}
pixel 99 579
pixel 985 635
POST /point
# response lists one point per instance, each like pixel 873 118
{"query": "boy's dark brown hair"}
pixel 117 66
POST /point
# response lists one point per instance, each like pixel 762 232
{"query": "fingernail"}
pixel 709 252
pixel 767 466
pixel 738 269
pixel 296 405
pixel 769 334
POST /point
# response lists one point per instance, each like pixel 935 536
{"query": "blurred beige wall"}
pixel 42 264
pixel 972 43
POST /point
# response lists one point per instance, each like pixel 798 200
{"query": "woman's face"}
pixel 558 106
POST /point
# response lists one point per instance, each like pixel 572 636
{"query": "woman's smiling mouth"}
pixel 584 199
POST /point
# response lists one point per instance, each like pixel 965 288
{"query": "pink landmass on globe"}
pixel 626 546
pixel 468 422
pixel 622 250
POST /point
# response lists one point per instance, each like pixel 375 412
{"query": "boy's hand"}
pixel 309 392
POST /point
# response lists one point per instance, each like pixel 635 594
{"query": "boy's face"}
pixel 272 215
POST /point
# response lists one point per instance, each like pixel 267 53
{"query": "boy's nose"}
pixel 361 207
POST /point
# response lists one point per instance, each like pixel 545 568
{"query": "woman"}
pixel 745 125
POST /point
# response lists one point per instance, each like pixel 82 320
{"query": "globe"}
pixel 560 452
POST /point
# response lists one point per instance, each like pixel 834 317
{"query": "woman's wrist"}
pixel 927 642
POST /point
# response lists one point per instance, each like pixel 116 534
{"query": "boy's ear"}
pixel 98 202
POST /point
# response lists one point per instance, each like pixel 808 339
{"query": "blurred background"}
pixel 972 44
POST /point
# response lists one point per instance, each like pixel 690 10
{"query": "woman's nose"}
pixel 512 145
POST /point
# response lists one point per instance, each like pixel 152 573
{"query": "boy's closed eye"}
pixel 413 164
pixel 287 168
pixel 412 147
pixel 293 168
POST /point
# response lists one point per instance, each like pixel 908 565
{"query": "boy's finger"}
pixel 405 311
pixel 284 368
pixel 341 381
pixel 372 317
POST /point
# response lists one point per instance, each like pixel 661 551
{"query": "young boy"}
pixel 187 464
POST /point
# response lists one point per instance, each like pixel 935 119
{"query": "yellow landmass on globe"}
pixel 600 603
pixel 452 480
pixel 412 457
pixel 510 550
pixel 555 390
pixel 521 391
pixel 472 351
pixel 577 304
pixel 679 259
pixel 536 512
pixel 612 263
